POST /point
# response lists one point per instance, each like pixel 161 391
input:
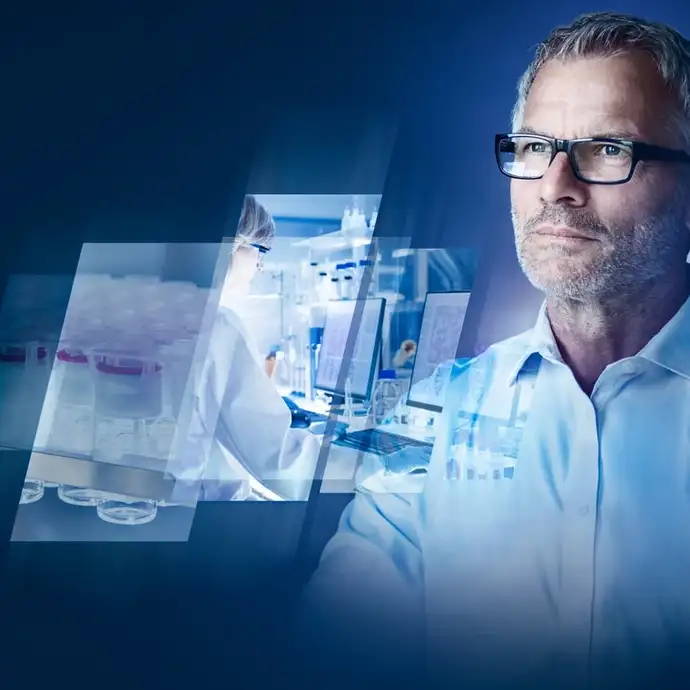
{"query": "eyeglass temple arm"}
pixel 651 152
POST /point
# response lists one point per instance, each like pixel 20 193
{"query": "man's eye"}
pixel 611 151
pixel 536 147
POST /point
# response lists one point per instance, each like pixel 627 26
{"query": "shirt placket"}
pixel 579 539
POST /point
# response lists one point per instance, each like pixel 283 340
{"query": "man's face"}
pixel 636 230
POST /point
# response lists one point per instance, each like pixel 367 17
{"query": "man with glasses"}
pixel 572 569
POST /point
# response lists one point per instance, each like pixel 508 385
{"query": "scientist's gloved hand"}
pixel 224 490
pixel 402 471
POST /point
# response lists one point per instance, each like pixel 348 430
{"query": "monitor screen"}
pixel 363 363
pixel 442 322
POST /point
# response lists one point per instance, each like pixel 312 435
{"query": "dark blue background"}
pixel 123 123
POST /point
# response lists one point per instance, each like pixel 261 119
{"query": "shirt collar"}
pixel 668 348
pixel 540 344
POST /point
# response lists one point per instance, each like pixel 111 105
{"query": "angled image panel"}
pixel 116 371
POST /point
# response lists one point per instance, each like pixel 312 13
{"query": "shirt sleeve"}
pixel 363 607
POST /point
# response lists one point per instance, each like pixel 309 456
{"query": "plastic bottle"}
pixel 386 395
pixel 360 220
pixel 324 287
pixel 344 280
pixel 313 277
pixel 367 272
pixel 373 219
pixel 71 419
pixel 348 291
pixel 335 288
pixel 349 280
pixel 346 223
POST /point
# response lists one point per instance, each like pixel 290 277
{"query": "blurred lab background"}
pixel 322 251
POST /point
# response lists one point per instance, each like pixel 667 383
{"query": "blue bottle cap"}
pixel 387 374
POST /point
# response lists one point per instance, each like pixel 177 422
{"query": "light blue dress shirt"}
pixel 550 538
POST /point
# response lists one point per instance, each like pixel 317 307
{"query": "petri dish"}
pixel 79 496
pixel 32 491
pixel 126 510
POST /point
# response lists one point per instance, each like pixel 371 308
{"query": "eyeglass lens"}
pixel 528 158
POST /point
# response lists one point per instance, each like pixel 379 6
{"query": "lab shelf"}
pixel 135 476
pixel 336 240
pixel 141 477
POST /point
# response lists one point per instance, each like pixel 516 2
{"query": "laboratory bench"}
pixel 52 520
pixel 146 479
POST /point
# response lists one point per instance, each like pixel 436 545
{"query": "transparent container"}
pixel 128 397
pixel 126 510
pixel 68 412
pixel 24 375
pixel 313 284
pixel 373 219
pixel 350 285
pixel 78 496
pixel 348 288
pixel 323 287
pixel 387 393
pixel 32 491
pixel 367 273
pixel 68 416
pixel 179 376
pixel 128 400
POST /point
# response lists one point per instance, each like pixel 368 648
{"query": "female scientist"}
pixel 248 249
pixel 239 425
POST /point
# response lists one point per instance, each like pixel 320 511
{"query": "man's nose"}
pixel 559 184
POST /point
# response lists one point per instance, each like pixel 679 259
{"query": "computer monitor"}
pixel 442 321
pixel 364 360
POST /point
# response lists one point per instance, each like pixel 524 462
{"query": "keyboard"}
pixel 379 442
pixel 314 417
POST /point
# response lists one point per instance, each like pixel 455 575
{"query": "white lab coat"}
pixel 239 425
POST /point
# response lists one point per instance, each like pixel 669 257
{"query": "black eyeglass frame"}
pixel 260 247
pixel 640 152
pixel 236 244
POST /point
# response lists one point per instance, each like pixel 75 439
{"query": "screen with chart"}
pixel 442 322
pixel 332 370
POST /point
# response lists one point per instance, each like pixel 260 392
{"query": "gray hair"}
pixel 609 34
pixel 256 223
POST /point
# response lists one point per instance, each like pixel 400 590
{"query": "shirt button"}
pixel 584 510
